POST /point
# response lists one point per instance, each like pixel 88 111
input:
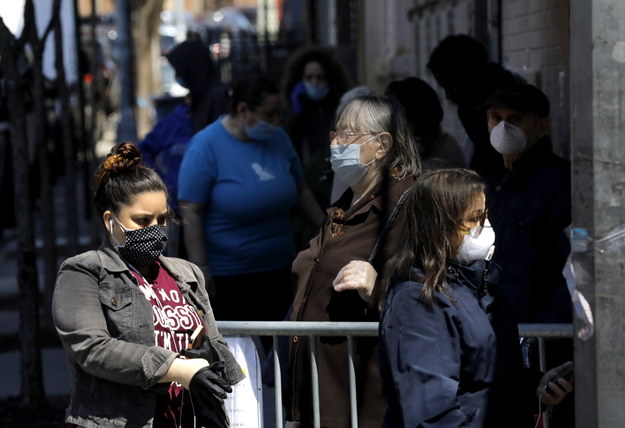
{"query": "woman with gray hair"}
pixel 335 278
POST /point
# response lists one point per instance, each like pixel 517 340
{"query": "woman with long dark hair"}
pixel 450 353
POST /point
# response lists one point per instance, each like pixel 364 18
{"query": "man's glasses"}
pixel 343 136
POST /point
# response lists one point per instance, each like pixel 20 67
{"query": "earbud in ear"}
pixel 111 225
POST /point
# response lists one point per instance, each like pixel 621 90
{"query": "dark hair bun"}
pixel 122 157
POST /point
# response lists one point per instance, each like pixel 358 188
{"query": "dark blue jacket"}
pixel 164 146
pixel 456 364
pixel 529 210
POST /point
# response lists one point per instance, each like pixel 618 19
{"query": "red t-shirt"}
pixel 174 321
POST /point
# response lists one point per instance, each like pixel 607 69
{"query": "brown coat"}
pixel 314 269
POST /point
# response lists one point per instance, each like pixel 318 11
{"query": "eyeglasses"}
pixel 481 219
pixel 343 136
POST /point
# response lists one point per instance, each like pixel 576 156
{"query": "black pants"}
pixel 262 296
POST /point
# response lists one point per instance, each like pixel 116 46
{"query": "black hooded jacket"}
pixel 194 67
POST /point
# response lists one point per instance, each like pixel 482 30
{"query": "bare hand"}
pixel 559 387
pixel 356 275
pixel 182 370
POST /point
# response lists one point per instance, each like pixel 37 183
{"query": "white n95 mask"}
pixel 507 139
pixel 477 244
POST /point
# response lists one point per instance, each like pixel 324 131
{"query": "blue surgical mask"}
pixel 345 160
pixel 263 130
pixel 316 93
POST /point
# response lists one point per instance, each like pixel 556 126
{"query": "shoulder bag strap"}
pixel 387 226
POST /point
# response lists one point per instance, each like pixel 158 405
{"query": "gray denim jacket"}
pixel 105 325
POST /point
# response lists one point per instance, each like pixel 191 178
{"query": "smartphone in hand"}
pixel 195 341
pixel 566 374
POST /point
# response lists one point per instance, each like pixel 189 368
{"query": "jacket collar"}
pixel 479 276
pixel 376 198
pixel 471 274
pixel 533 159
pixel 112 262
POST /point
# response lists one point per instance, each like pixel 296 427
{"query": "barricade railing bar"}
pixel 349 330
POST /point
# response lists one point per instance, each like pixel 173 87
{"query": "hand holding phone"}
pixel 566 373
pixel 551 396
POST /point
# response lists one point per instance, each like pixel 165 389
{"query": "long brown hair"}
pixel 433 206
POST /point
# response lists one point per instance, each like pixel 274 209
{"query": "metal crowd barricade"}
pixel 349 330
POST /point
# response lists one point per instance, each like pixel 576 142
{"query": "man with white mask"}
pixel 530 206
pixel 530 209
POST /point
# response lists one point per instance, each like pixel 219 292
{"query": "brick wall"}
pixel 535 44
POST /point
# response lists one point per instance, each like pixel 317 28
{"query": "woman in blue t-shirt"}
pixel 239 181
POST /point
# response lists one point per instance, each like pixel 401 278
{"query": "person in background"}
pixel 531 211
pixel 373 152
pixel 192 61
pixel 423 110
pixel 449 349
pixel 239 181
pixel 461 67
pixel 164 146
pixel 530 206
pixel 314 81
pixel 125 315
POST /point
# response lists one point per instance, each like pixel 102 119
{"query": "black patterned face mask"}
pixel 143 246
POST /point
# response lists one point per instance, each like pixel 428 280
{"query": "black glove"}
pixel 207 383
pixel 208 391
pixel 205 351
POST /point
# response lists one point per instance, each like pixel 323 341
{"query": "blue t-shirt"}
pixel 248 189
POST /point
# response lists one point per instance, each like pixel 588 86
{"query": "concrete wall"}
pixel 388 36
pixel 598 111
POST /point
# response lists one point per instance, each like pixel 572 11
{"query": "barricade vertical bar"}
pixel 277 380
pixel 314 375
pixel 353 404
pixel 351 330
pixel 542 358
pixel 542 363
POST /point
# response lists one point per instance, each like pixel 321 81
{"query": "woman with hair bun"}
pixel 137 327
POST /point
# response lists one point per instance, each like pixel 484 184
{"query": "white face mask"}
pixel 345 160
pixel 477 244
pixel 507 139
